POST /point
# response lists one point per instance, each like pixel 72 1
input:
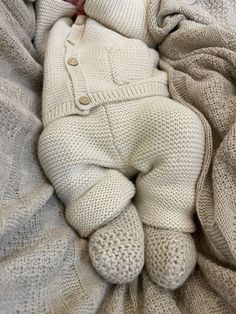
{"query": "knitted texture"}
pixel 155 138
pixel 117 250
pixel 202 72
pixel 75 163
pixel 44 264
pixel 128 18
pixel 169 267
pixel 126 69
pixel 96 206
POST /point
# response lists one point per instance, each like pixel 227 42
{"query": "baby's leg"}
pixel 79 158
pixel 164 141
pixel 165 196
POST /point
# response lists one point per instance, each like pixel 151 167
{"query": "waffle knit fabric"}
pixel 44 264
pixel 111 119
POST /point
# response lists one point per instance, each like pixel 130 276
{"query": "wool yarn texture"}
pixel 112 120
pixel 45 266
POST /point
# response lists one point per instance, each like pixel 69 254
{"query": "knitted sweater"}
pixel 87 64
pixel 113 82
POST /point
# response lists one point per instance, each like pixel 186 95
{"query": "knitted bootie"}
pixel 117 250
pixel 170 256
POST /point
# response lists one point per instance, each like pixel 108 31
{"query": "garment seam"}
pixel 112 135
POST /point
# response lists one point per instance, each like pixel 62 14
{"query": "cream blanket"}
pixel 44 265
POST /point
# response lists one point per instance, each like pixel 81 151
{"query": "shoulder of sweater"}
pixel 117 39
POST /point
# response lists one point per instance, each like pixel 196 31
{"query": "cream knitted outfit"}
pixel 117 149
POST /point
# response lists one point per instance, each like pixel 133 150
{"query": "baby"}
pixel 123 157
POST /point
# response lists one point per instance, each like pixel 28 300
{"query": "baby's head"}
pixel 126 17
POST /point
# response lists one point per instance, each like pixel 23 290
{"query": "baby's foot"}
pixel 117 250
pixel 170 256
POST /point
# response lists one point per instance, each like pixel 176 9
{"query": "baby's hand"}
pixel 80 6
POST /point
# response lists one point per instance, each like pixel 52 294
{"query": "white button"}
pixel 73 61
pixel 84 100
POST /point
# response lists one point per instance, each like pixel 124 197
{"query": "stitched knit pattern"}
pixel 202 72
pixel 95 207
pixel 117 250
pixel 110 68
pixel 158 138
pixel 128 18
pixel 92 194
pixel 170 256
pixel 44 265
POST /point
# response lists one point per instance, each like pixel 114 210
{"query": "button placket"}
pixel 82 101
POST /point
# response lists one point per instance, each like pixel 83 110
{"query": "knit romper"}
pixel 122 156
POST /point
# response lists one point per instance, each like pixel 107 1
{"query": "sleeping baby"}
pixel 123 157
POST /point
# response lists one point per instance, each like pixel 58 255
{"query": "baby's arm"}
pixel 128 18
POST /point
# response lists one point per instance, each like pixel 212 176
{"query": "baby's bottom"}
pixel 123 161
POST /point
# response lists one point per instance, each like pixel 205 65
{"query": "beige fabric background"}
pixel 44 265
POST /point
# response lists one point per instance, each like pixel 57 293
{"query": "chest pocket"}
pixel 132 61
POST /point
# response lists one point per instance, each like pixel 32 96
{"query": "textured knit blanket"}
pixel 44 265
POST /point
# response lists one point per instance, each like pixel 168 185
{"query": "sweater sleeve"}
pixel 128 18
pixel 48 12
